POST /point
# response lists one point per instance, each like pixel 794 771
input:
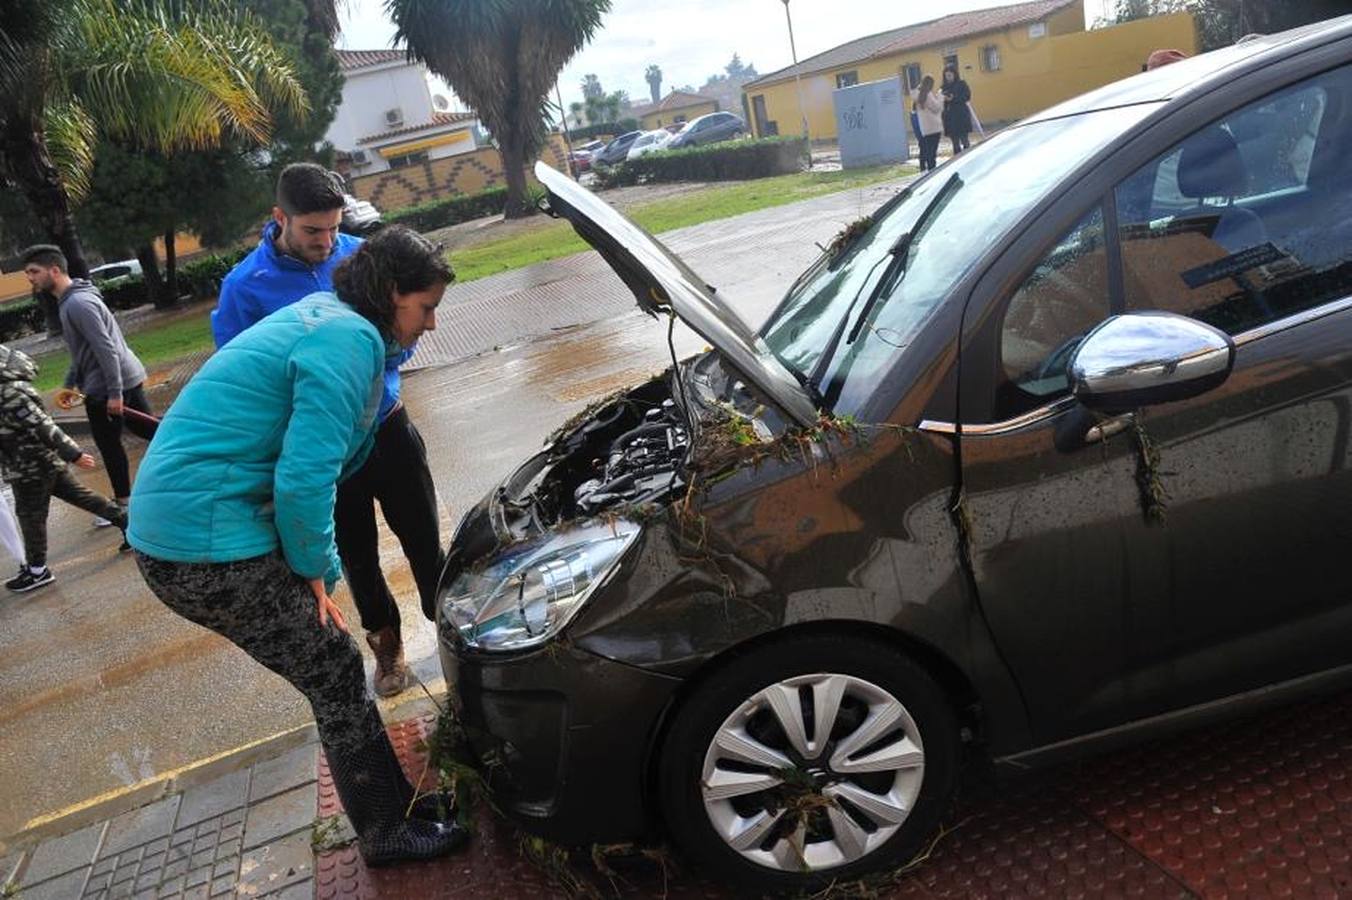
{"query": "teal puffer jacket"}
pixel 249 456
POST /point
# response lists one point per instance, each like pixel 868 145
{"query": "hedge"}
pixel 19 318
pixel 728 161
pixel 199 279
pixel 453 210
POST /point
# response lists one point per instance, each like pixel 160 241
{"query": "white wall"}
pixel 366 96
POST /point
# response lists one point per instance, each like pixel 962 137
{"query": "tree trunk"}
pixel 150 272
pixel 170 296
pixel 25 150
pixel 513 163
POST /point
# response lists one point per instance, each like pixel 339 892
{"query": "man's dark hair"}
pixel 396 259
pixel 45 255
pixel 305 188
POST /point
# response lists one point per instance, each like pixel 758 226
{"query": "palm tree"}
pixel 576 109
pixel 166 75
pixel 654 78
pixel 502 58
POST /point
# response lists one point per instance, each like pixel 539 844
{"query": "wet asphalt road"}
pixel 101 686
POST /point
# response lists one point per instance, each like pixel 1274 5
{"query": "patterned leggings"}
pixel 268 611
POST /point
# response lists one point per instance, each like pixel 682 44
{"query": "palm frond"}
pixel 501 57
pixel 172 76
pixel 69 131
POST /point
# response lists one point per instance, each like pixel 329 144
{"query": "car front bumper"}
pixel 566 735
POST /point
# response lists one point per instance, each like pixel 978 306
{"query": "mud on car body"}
pixel 976 480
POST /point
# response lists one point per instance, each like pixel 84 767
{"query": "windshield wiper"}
pixel 897 255
pixel 901 253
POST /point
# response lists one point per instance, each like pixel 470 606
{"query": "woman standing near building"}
pixel 232 512
pixel 929 116
pixel 957 114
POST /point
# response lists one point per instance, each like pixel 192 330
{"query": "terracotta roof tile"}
pixel 674 100
pixel 923 34
pixel 439 120
pixel 360 59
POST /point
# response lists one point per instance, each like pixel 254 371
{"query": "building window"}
pixel 990 58
pixel 913 76
pixel 847 79
pixel 1037 30
pixel 951 61
pixel 415 158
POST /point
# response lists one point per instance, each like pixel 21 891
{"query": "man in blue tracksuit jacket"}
pixel 300 249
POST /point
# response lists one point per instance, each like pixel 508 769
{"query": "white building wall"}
pixel 366 96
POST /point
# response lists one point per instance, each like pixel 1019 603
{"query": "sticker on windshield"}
pixel 1232 265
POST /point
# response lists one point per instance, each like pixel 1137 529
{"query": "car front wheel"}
pixel 815 759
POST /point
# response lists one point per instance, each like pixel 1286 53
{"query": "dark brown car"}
pixel 1051 453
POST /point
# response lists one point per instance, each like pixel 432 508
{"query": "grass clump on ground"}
pixel 714 202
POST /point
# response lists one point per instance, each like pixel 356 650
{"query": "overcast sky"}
pixel 693 39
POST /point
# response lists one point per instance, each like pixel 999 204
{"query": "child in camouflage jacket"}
pixel 34 451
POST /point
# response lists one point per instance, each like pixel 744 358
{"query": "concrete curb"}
pixel 143 793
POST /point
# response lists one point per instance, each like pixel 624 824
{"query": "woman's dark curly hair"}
pixel 395 259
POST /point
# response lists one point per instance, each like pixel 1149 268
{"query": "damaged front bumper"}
pixel 559 735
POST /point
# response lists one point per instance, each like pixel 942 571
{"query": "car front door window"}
pixel 1064 296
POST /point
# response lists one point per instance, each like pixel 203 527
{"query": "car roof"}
pixel 1201 73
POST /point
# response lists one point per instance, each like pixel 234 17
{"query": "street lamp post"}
pixel 798 84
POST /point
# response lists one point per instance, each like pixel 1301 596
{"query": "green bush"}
pixel 450 211
pixel 728 161
pixel 203 276
pixel 19 318
pixel 127 292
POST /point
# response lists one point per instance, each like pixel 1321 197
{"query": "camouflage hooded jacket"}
pixel 30 442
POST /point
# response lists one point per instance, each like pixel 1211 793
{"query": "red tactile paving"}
pixel 1256 808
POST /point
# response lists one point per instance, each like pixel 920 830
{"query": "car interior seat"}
pixel 1211 167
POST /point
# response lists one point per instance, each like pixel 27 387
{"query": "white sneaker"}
pixel 101 522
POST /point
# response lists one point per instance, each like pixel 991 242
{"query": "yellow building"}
pixel 1017 59
pixel 678 106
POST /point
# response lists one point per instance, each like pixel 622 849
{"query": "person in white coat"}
pixel 928 107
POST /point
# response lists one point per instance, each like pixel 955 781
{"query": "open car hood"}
pixel 661 282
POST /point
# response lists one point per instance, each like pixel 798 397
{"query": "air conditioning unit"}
pixel 394 116
pixel 359 158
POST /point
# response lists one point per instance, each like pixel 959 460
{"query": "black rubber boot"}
pixel 376 795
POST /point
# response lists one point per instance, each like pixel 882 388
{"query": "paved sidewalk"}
pixel 1251 808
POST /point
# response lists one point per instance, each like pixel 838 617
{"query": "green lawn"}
pixel 155 346
pixel 714 202
pixel 182 337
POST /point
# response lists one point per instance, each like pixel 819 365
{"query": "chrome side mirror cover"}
pixel 1143 358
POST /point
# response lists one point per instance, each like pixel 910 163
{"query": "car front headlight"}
pixel 528 594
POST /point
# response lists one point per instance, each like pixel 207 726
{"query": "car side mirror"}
pixel 1144 358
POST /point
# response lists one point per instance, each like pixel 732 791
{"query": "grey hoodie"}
pixel 101 363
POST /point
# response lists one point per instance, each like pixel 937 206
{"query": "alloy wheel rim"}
pixel 813 772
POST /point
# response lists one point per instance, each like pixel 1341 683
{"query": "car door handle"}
pixel 1109 427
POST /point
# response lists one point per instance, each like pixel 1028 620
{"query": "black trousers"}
pixel 929 151
pixel 961 142
pixel 396 476
pixel 107 432
pixel 33 500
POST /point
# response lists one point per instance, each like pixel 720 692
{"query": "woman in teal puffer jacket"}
pixel 231 515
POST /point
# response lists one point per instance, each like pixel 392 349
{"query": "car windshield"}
pixel 1001 180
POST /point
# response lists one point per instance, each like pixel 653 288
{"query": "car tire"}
pixel 872 810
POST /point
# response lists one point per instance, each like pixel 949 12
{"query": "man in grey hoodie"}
pixel 102 367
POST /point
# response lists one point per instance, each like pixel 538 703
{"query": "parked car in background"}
pixel 583 156
pixel 617 150
pixel 120 269
pixel 649 141
pixel 1013 472
pixel 360 217
pixel 709 129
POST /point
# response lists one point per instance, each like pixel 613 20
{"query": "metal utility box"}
pixel 871 123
